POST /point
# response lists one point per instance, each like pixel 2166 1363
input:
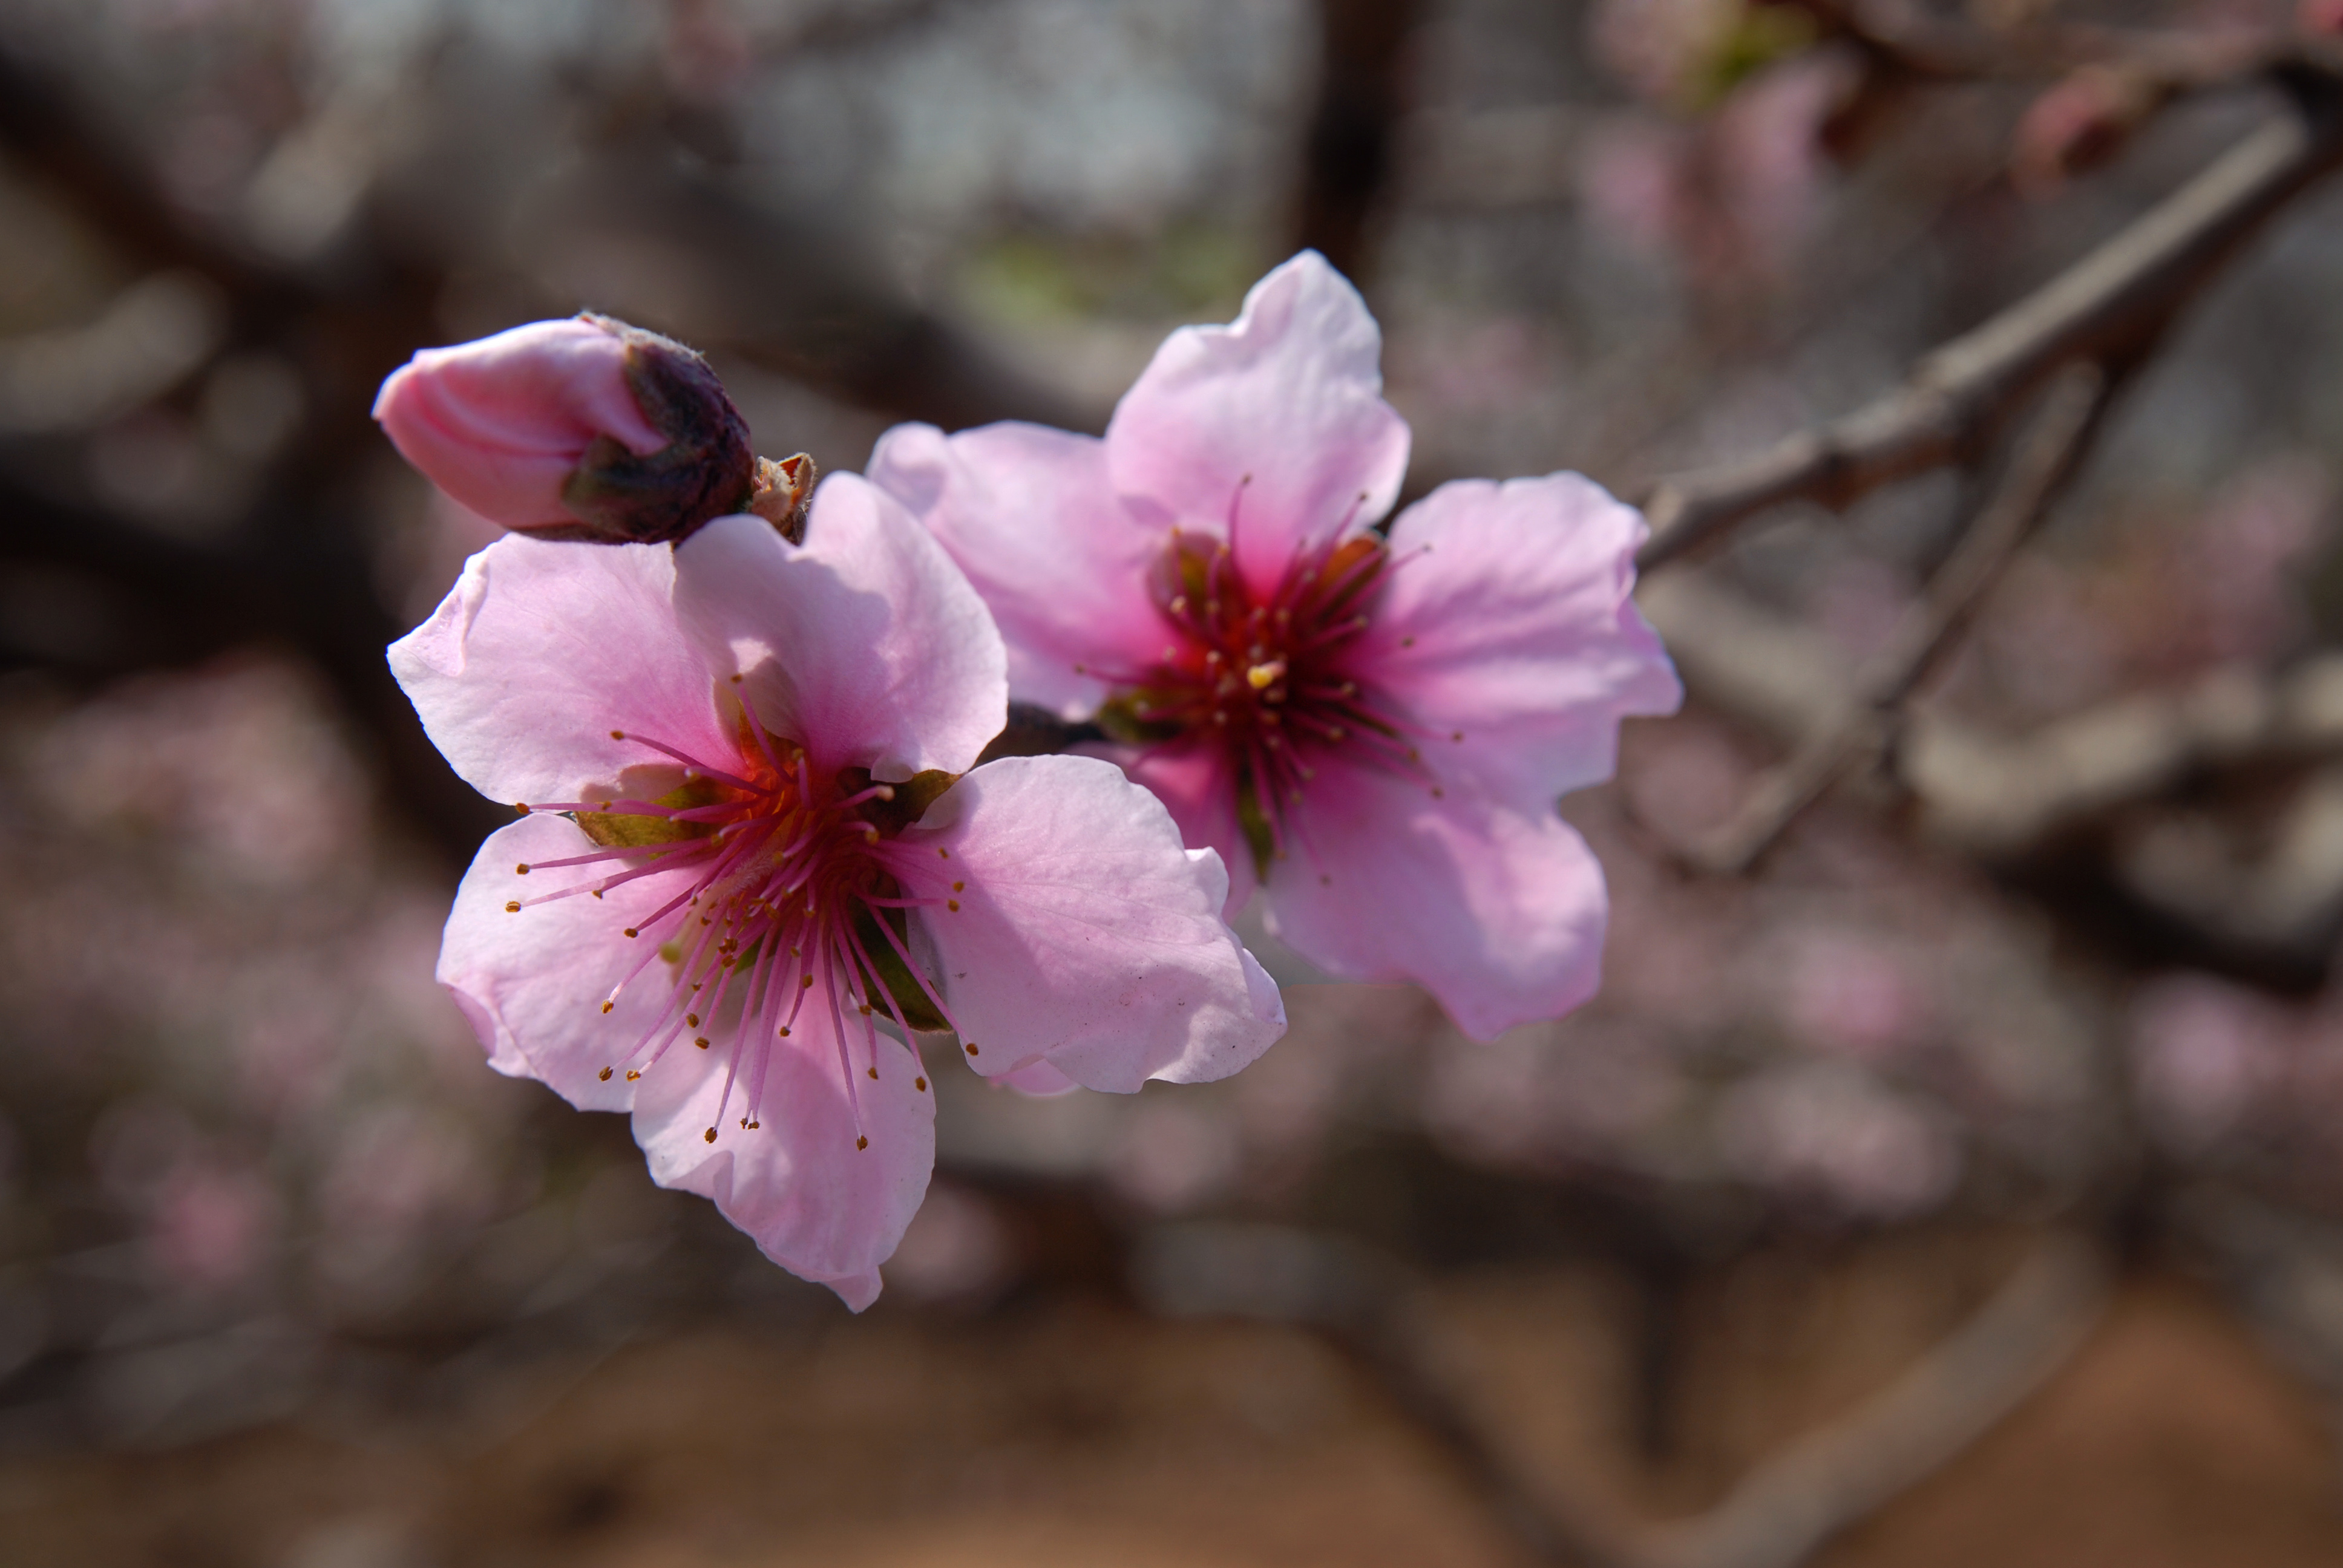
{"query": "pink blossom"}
pixel 743 752
pixel 1377 728
pixel 579 429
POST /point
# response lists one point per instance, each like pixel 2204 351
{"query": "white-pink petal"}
pixel 1277 419
pixel 815 1203
pixel 533 981
pixel 1029 514
pixel 865 644
pixel 1506 619
pixel 1499 913
pixel 1085 932
pixel 539 652
pixel 500 423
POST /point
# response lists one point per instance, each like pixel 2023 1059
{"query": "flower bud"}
pixel 585 429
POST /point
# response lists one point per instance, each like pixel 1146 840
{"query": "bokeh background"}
pixel 1937 1192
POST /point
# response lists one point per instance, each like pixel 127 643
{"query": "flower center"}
pixel 784 897
pixel 1264 677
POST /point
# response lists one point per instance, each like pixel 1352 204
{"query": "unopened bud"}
pixel 582 429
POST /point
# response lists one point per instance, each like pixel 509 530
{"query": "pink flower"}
pixel 1377 728
pixel 581 429
pixel 737 763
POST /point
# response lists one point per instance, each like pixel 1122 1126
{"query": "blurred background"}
pixel 1957 1181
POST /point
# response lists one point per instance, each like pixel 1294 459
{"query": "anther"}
pixel 691 1021
pixel 608 1005
pixel 633 932
pixel 862 1143
pixel 604 1075
pixel 943 854
pixel 701 1042
pixel 521 869
pixel 710 1135
pixel 872 1071
pixel 865 1011
pixel 617 735
pixel 959 887
pixel 804 982
pixel 512 906
pixel 920 1084
pixel 952 904
pixel 785 1032
pixel 633 1073
pixel 738 678
pixel 521 807
pixel 972 1049
pixel 1459 735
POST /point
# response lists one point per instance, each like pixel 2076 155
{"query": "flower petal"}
pixel 1086 934
pixel 864 644
pixel 1031 516
pixel 1506 619
pixel 499 424
pixel 1498 913
pixel 1285 405
pixel 539 652
pixel 533 982
pixel 1197 785
pixel 815 1203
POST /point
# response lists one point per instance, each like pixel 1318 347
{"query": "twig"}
pixel 2051 453
pixel 2104 307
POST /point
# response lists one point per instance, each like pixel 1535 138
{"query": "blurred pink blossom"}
pixel 1375 730
pixel 210 1228
pixel 1837 1135
pixel 758 746
pixel 2203 1052
pixel 1851 994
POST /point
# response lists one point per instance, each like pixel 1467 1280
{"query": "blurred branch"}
pixel 1790 1505
pixel 2106 306
pixel 1347 159
pixel 2047 461
pixel 1779 1513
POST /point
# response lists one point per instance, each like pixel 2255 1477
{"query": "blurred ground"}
pixel 1069 1430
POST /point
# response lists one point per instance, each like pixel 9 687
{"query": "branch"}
pixel 1788 1507
pixel 2106 306
pixel 2048 460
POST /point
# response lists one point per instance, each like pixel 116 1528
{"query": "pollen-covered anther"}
pixel 952 904
pixel 521 869
pixel 862 1143
pixel 920 1084
pixel 691 1021
pixel 608 1005
pixel 512 906
pixel 633 1073
pixel 710 1135
pixel 971 1048
pixel 1261 677
pixel 604 1075
pixel 633 932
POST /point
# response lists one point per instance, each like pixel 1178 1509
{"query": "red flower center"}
pixel 1264 677
pixel 785 898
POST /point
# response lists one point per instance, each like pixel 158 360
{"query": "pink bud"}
pixel 581 429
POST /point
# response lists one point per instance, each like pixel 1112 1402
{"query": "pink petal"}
pixel 1290 395
pixel 1085 932
pixel 1497 912
pixel 1506 619
pixel 1030 515
pixel 817 1205
pixel 500 423
pixel 1197 785
pixel 533 983
pixel 864 644
pixel 1037 1079
pixel 540 651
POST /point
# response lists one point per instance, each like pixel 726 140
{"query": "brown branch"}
pixel 2106 306
pixel 2046 462
pixel 1789 1506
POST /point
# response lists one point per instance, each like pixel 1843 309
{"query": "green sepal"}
pixel 620 830
pixel 1254 822
pixel 911 1005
